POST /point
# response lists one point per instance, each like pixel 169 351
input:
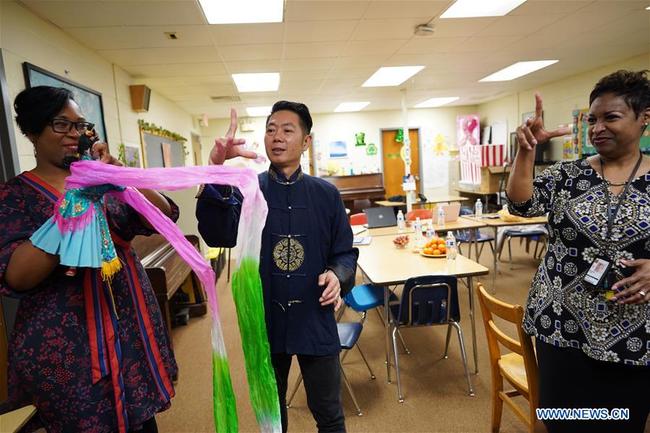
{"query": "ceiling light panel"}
pixel 242 11
pixel 437 102
pixel 391 76
pixel 480 8
pixel 517 70
pixel 257 82
pixel 345 107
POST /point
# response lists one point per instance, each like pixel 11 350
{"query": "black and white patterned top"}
pixel 562 309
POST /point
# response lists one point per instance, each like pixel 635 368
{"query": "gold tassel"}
pixel 110 268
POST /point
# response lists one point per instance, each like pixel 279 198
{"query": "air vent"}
pixel 225 98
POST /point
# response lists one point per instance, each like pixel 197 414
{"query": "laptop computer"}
pixel 452 211
pixel 380 217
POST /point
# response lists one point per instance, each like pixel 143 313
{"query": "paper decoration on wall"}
pixel 440 147
pixel 338 149
pixel 467 136
pixel 467 129
pixel 371 149
pixel 360 138
pixel 399 136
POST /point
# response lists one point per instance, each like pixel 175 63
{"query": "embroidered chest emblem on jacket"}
pixel 288 254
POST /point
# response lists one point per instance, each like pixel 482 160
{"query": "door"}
pixel 393 164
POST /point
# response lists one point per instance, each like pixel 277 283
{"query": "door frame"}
pixel 381 153
pixel 8 154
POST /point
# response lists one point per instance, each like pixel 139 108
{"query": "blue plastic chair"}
pixel 365 297
pixel 429 301
pixel 349 333
pixel 467 236
pixel 539 236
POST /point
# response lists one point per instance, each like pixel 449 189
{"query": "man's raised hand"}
pixel 230 147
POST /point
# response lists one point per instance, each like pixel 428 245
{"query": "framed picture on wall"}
pixel 89 100
pixel 338 149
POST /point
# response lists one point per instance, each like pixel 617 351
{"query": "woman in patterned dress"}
pixel 592 333
pixel 88 367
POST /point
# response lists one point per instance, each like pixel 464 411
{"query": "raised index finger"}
pixel 538 105
pixel 233 124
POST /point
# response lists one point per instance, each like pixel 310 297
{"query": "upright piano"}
pixel 358 187
pixel 168 272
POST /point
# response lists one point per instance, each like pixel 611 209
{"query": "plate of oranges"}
pixel 435 247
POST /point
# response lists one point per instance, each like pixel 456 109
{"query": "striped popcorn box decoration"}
pixel 492 154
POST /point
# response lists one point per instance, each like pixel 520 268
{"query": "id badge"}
pixel 597 273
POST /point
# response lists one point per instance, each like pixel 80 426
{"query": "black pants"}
pixel 322 379
pixel 570 379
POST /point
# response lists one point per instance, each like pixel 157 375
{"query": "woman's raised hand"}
pixel 229 147
pixel 532 131
pixel 100 152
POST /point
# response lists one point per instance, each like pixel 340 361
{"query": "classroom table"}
pixel 494 221
pixel 433 200
pixel 461 223
pixel 383 264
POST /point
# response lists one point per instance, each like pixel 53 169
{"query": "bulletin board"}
pixel 159 151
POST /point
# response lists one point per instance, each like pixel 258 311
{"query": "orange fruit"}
pixel 443 249
pixel 436 252
pixel 427 251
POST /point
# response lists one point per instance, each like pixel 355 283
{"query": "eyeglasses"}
pixel 65 126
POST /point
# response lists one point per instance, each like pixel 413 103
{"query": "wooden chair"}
pixel 423 214
pixel 358 219
pixel 518 366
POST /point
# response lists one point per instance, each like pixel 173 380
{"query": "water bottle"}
pixel 441 216
pixel 431 233
pixel 478 208
pixel 417 227
pixel 401 224
pixel 450 244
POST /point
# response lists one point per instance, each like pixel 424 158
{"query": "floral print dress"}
pixel 52 352
pixel 562 309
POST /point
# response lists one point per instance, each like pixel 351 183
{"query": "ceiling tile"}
pixel 307 64
pixel 117 13
pixel 153 56
pixel 430 45
pixel 316 31
pixel 111 38
pixel 371 48
pixel 250 52
pixel 424 10
pixel 458 27
pixel 245 34
pixel 301 10
pixel 176 70
pixel 536 8
pixel 245 66
pixel 518 25
pixel 370 30
pixel 313 50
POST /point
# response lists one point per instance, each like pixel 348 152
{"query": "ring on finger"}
pixel 642 293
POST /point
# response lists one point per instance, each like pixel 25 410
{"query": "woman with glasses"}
pixel 589 304
pixel 84 369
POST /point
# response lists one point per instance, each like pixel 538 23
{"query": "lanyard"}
pixel 612 215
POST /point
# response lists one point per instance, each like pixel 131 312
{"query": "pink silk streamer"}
pixel 253 213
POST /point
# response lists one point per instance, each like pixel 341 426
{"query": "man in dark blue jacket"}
pixel 307 260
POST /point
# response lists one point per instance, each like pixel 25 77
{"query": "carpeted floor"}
pixel 434 388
